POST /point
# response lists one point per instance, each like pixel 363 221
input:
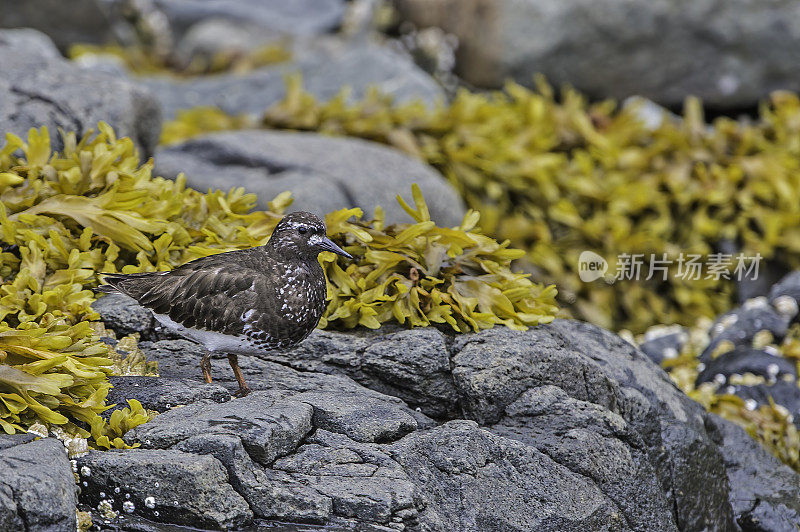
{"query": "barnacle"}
pixel 65 217
pixel 770 424
pixel 558 176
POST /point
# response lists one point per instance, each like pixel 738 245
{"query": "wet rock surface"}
pixel 37 487
pixel 324 174
pixel 39 88
pixel 562 427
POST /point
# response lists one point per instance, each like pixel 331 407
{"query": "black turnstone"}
pixel 241 302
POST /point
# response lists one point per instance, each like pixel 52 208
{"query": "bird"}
pixel 241 302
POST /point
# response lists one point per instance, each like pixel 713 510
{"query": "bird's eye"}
pixel 302 229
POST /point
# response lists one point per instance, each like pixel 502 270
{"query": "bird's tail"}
pixel 111 281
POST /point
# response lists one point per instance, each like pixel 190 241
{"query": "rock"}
pixel 125 316
pixel 66 23
pixel 161 393
pixel 562 428
pixel 413 365
pixel 10 440
pixel 747 360
pixel 298 17
pixel 164 486
pixel 268 426
pixel 763 490
pixel 323 173
pixel 608 49
pixel 492 369
pixel 788 286
pixel 221 36
pixel 664 342
pixel 360 480
pixel 325 67
pixel 362 419
pixel 784 392
pixel 38 89
pixel 471 479
pixel 578 430
pixel 270 494
pixel 740 325
pixel 37 487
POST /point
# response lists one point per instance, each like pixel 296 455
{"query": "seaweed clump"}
pixel 65 217
pixel 557 176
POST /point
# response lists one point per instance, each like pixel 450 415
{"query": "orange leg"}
pixel 243 388
pixel 205 365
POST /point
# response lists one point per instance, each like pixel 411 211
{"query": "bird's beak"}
pixel 328 245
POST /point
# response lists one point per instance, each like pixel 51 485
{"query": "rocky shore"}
pixel 565 426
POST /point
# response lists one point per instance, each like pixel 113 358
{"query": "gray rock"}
pixel 581 432
pixel 661 343
pixel 218 35
pixel 743 360
pixel 686 460
pixel 788 286
pixel 471 479
pixel 10 440
pixel 361 480
pixel 269 493
pixel 66 23
pixel 360 418
pixel 740 325
pixel 325 68
pixel 323 173
pixel 124 316
pixel 763 490
pixel 164 486
pixel 37 89
pixel 664 50
pixel 298 17
pixel 413 365
pixel 37 487
pixel 783 392
pixel 564 428
pixel 162 393
pixel 267 425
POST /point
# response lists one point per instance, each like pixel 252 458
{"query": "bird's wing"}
pixel 210 295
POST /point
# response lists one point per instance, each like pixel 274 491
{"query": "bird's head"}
pixel 302 235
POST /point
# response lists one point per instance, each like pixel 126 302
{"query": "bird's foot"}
pixel 241 392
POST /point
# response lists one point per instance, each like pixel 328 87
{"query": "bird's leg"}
pixel 243 388
pixel 205 365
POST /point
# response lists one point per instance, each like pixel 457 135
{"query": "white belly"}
pixel 212 341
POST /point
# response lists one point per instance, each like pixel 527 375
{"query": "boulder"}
pixel 562 427
pixel 664 50
pixel 323 173
pixel 37 487
pixel 163 485
pixel 38 88
pixel 326 66
pixel 749 470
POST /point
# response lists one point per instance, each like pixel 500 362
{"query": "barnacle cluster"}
pixel 557 176
pixel 771 424
pixel 65 217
